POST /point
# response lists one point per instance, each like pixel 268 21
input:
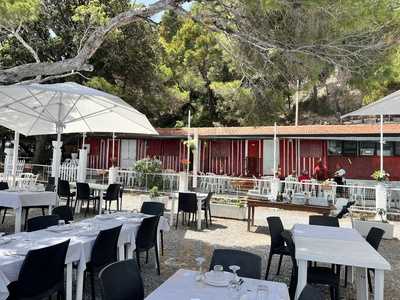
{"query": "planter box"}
pixel 228 211
pixel 363 227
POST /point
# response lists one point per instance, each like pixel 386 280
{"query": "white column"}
pixel 381 142
pixel 82 165
pixel 275 133
pixel 15 158
pixel 196 154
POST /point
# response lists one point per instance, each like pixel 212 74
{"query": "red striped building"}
pixel 248 151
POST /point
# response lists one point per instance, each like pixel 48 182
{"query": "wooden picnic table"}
pixel 253 202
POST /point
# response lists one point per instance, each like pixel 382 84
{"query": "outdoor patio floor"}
pixel 182 246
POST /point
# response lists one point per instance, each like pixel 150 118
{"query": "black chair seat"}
pixel 322 275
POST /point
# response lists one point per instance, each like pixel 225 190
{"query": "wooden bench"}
pixel 252 203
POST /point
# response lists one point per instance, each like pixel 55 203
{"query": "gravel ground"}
pixel 183 245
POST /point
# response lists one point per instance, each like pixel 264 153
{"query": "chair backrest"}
pixel 51 180
pixel 112 192
pixel 275 229
pixel 249 263
pixel 121 281
pixel 41 270
pixel 64 213
pixel 311 293
pixel 42 222
pixel 146 236
pixel 324 221
pixel 104 249
pixel 153 208
pixel 187 202
pixel 287 237
pixel 82 191
pixel 50 187
pixel 3 186
pixel 374 237
pixel 63 188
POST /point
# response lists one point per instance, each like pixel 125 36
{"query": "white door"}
pixel 268 156
pixel 128 153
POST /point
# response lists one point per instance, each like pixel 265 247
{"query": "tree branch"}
pixel 94 41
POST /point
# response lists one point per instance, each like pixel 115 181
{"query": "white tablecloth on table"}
pixel 80 246
pixel 183 286
pixel 340 246
pixel 21 199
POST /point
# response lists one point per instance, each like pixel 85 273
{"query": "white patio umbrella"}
pixel 387 106
pixel 42 109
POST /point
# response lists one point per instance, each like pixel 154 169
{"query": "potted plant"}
pixel 228 208
pixel 155 196
pixel 363 224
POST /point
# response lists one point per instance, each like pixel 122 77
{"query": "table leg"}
pixel 50 209
pixel 101 202
pixel 198 214
pixel 379 284
pixel 248 217
pixel 171 216
pixel 79 283
pixel 253 209
pixel 129 251
pixel 69 282
pixel 361 283
pixel 302 277
pixel 18 217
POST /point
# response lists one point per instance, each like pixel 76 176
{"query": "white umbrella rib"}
pixel 44 106
pixel 72 107
pixel 15 100
pixel 90 130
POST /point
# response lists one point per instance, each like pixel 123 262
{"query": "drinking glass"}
pixel 234 284
pixel 61 222
pixel 200 260
pixel 262 292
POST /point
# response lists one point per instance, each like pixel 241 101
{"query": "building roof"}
pixel 283 131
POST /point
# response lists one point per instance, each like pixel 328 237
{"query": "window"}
pixel 349 148
pixel 367 148
pixel 387 149
pixel 334 148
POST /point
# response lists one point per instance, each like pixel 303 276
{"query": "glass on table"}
pixel 262 292
pixel 61 222
pixel 200 260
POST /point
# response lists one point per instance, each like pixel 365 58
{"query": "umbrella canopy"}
pixel 389 105
pixel 38 109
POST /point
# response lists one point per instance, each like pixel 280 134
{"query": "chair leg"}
pixel 337 293
pixel 268 264
pixel 92 285
pixel 43 212
pixel 345 276
pixel 279 265
pixel 26 217
pixel 157 259
pixel 162 242
pixel 4 215
pixel 147 257
pixel 332 292
pixel 87 207
pixel 205 217
pixel 177 218
pixel 209 214
pixel 138 259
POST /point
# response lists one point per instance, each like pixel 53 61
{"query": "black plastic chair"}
pixel 324 221
pixel 374 238
pixel 311 293
pixel 112 194
pixel 277 243
pixel 205 205
pixel 64 213
pixel 3 186
pixel 249 263
pixel 64 191
pixel 41 274
pixel 42 222
pixel 104 252
pixel 155 209
pixel 121 281
pixel 83 194
pixel 315 275
pixel 187 204
pixel 146 239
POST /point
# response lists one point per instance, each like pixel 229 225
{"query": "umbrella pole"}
pixel 275 129
pixel 381 139
pixel 15 159
pixel 113 150
pixel 57 163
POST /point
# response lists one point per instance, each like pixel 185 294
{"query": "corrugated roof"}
pixel 265 131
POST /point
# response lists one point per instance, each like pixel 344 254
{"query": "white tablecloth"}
pixel 183 286
pixel 80 244
pixel 21 199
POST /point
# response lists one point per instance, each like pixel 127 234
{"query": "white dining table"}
pixel 82 236
pixel 183 286
pixel 340 246
pixel 174 206
pixel 17 200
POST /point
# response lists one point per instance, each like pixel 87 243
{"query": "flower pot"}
pixel 363 227
pixel 228 211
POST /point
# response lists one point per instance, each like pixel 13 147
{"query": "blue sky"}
pixel 157 17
